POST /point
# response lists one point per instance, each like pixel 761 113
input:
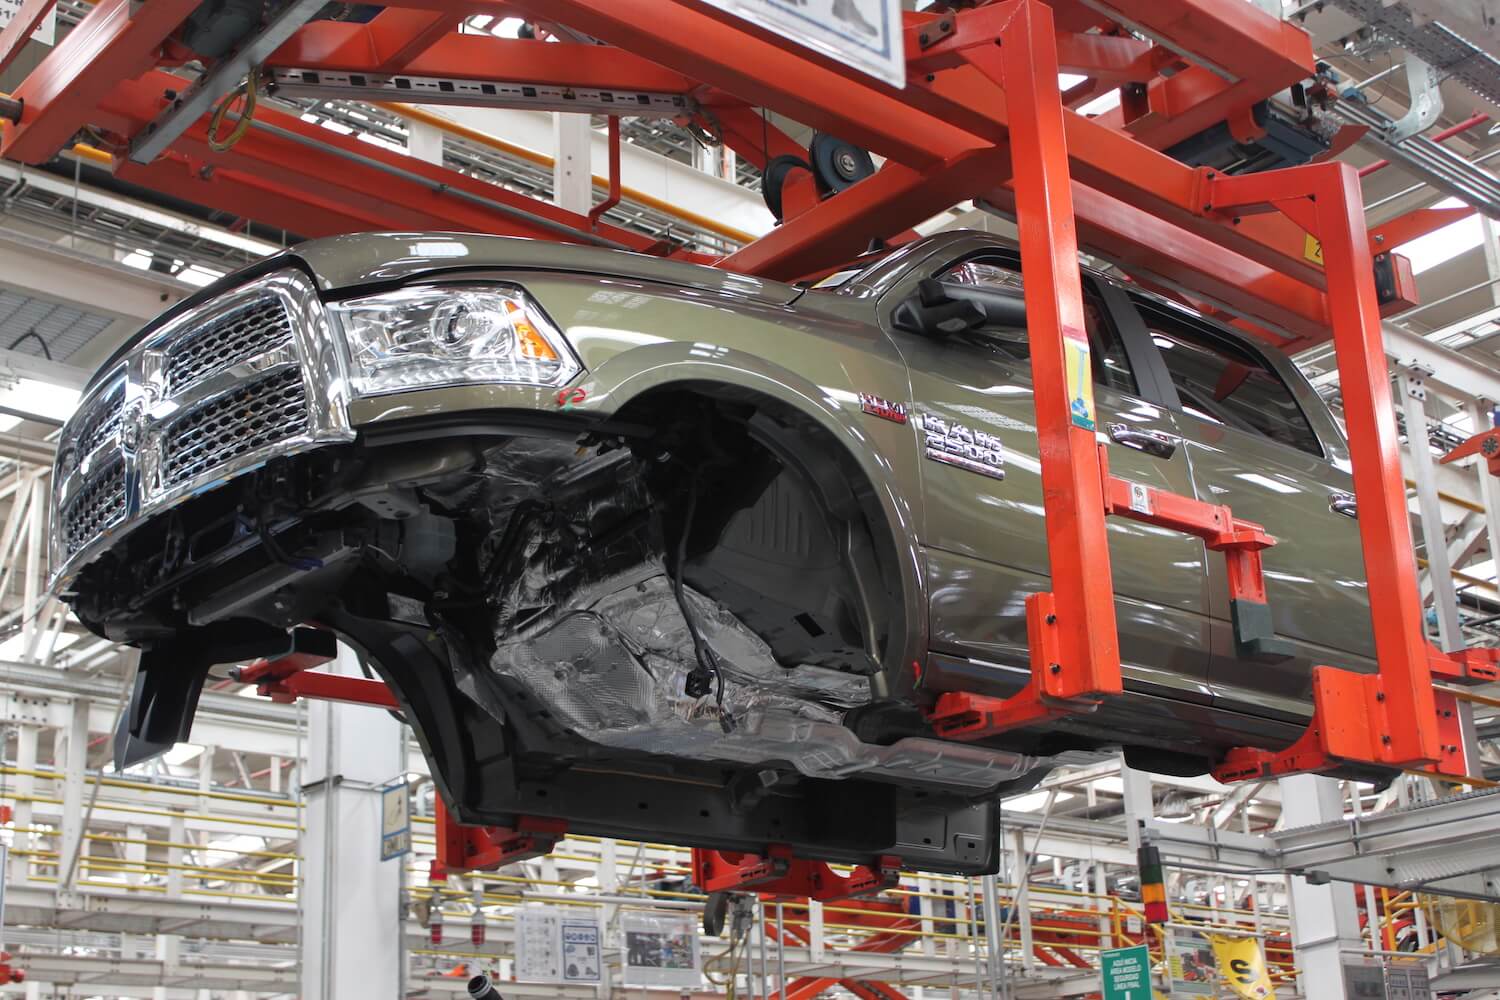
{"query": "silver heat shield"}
pixel 613 667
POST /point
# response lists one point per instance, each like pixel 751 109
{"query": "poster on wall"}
pixel 1191 969
pixel 661 949
pixel 558 944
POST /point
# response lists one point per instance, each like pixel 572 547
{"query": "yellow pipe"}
pixel 417 114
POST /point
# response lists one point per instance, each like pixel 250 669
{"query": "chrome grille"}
pixel 249 417
pixel 255 328
pixel 211 394
pixel 99 505
pixel 102 421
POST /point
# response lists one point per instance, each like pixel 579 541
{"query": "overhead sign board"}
pixel 46 32
pixel 865 34
pixel 1126 973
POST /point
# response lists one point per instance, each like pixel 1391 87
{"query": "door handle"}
pixel 1343 503
pixel 1141 439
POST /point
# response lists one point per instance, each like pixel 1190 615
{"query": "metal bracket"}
pixel 191 105
pixel 1423 83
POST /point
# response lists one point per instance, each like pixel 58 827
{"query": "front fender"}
pixel 637 338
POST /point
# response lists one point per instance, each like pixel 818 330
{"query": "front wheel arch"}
pixel 886 569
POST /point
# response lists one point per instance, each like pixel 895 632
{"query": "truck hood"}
pixel 342 263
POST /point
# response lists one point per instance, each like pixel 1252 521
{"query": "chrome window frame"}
pixel 147 413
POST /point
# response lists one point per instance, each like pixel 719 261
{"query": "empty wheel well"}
pixel 786 530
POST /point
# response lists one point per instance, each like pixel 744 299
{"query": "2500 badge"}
pixel 953 443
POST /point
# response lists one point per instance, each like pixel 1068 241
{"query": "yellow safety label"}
pixel 1080 383
pixel 1312 249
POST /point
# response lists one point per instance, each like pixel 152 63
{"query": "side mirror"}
pixel 934 312
pixel 940 309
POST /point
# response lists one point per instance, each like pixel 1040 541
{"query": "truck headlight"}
pixel 448 334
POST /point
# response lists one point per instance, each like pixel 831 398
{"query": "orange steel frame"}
pixel 981 117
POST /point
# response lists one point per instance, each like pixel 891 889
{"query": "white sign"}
pixel 865 34
pixel 395 821
pixel 46 32
pixel 661 949
pixel 558 945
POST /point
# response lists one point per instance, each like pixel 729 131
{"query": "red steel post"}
pixel 1083 630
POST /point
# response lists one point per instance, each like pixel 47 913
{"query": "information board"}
pixel 661 949
pixel 865 34
pixel 46 32
pixel 557 944
pixel 1192 969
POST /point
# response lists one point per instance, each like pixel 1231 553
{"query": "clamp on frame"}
pixel 963 716
pixel 777 873
pixel 460 847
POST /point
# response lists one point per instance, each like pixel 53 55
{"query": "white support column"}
pixel 572 173
pixel 424 142
pixel 135 855
pixel 26 739
pixel 351 940
pixel 75 753
pixel 176 835
pixel 32 584
pixel 1325 920
pixel 1480 415
pixel 206 778
pixel 1139 805
pixel 167 952
pixel 1413 391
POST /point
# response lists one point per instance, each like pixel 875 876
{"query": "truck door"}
pixel 1247 417
pixel 984 533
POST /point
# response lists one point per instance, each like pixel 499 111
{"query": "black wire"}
pixel 46 351
pixel 701 651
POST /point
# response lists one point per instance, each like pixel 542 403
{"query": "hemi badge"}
pixel 882 408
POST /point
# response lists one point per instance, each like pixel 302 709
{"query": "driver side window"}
pixel 1110 365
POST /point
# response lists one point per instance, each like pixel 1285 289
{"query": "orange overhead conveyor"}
pixel 981 117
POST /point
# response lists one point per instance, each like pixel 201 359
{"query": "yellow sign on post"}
pixel 1242 965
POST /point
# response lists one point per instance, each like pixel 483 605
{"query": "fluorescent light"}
pixel 181 754
pixel 1066 81
pixel 508 27
pixel 34 399
pixel 1442 245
